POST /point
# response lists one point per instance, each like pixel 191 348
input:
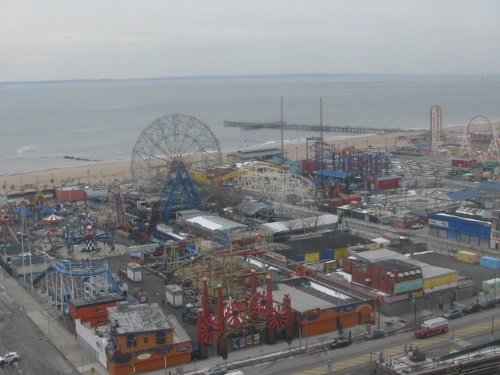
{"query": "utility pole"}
pixel 492 327
pixel 282 125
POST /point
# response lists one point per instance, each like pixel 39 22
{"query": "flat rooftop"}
pixel 385 255
pixel 329 240
pixel 214 223
pixel 138 318
pixel 307 294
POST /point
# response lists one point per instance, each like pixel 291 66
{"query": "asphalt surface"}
pixel 474 271
pixel 18 333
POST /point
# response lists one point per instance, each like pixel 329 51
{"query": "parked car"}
pixel 452 314
pixel 489 304
pixel 373 335
pixel 339 342
pixel 417 226
pixel 216 371
pixel 9 357
pixel 471 308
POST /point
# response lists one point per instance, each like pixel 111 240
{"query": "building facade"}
pixel 143 339
pixel 93 310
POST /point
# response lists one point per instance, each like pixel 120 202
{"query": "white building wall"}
pixel 92 343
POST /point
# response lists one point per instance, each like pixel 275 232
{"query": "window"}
pixel 131 341
pixel 99 309
pixel 145 340
pixel 161 338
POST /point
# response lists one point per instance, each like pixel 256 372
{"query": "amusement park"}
pixel 203 254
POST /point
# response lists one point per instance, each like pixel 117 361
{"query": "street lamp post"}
pixel 492 327
pixel 329 362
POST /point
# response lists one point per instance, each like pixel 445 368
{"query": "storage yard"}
pixel 195 258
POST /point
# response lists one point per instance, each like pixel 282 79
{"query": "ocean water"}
pixel 101 120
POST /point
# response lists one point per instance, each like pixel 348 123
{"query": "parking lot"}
pixel 474 271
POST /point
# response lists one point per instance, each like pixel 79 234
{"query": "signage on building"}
pixel 183 348
pixel 407 286
pixel 438 223
pixel 143 356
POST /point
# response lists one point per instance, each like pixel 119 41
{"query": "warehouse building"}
pixel 433 287
pixel 319 308
pixel 467 232
pixel 324 252
pixel 390 276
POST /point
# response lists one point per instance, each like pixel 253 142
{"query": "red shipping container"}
pixel 69 194
pixel 463 163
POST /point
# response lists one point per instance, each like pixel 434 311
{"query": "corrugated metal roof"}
pixel 215 222
pixel 296 224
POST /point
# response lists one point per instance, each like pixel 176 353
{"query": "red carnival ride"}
pixel 254 312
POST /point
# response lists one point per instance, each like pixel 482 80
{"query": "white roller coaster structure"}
pixel 493 150
pixel 274 183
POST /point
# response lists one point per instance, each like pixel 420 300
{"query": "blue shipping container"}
pixel 490 262
pixel 326 254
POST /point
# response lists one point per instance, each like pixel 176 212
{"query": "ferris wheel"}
pixel 173 153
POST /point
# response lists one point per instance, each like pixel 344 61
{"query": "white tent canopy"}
pixel 52 218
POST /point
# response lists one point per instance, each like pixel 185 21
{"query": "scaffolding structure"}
pixel 274 183
pixel 362 164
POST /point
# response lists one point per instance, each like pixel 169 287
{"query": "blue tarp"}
pixel 332 173
pixel 464 194
pixel 27 212
pixel 45 211
pixel 490 186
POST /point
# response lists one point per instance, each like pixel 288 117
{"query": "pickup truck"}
pixel 432 327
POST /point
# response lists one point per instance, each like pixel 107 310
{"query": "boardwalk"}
pixel 312 127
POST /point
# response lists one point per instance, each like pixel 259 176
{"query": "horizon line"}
pixel 233 76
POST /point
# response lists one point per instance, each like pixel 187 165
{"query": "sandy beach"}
pixel 106 172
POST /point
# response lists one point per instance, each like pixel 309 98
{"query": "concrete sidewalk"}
pixel 49 321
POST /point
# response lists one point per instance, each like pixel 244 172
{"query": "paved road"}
pixel 470 329
pixel 18 333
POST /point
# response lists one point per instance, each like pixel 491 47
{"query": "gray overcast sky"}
pixel 71 39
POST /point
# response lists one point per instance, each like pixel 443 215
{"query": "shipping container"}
pixel 326 254
pixel 312 257
pixel 490 262
pixel 463 163
pixel 437 281
pixel 330 266
pixel 134 272
pixel 491 286
pixel 174 295
pixel 69 194
pixel 388 182
pixel 340 253
pixel 468 256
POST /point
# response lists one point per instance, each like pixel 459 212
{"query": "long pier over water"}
pixel 312 127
